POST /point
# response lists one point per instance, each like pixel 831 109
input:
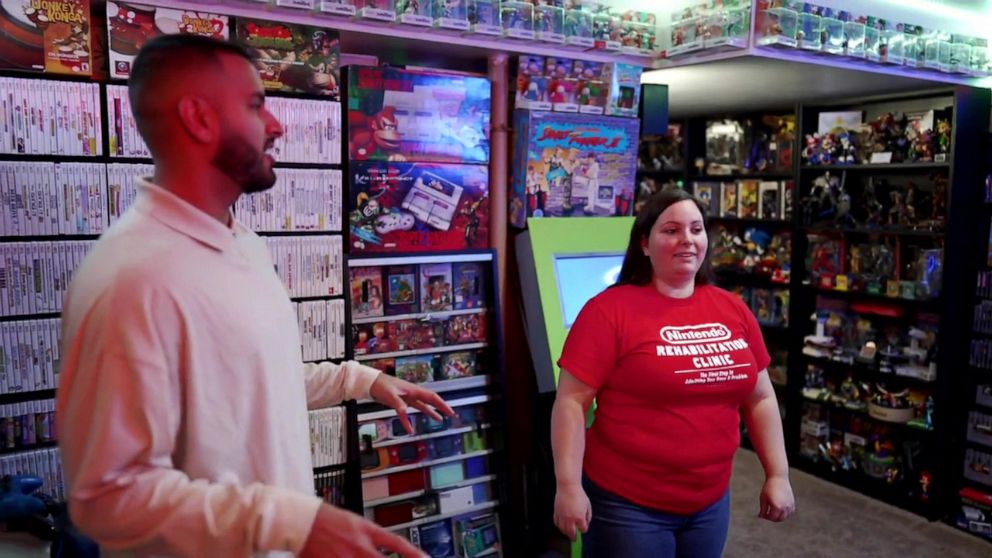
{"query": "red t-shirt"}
pixel 670 375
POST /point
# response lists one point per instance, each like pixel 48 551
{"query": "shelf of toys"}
pixel 596 30
pixel 905 40
pixel 882 234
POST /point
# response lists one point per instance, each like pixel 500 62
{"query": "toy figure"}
pixel 943 137
pixel 938 207
pixel 846 151
pixel 475 212
pixel 872 207
pixel 901 214
pixel 557 90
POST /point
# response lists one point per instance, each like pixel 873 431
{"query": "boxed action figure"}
pixel 570 164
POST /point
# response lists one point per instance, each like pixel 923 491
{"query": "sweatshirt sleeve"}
pixel 329 384
pixel 119 418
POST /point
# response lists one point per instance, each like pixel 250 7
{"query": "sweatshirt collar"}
pixel 181 216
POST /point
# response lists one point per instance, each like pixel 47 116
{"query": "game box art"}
pixel 292 57
pixel 130 26
pixel 415 207
pixel 417 116
pixel 572 165
pixel 53 36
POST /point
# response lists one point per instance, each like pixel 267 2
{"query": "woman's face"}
pixel 677 243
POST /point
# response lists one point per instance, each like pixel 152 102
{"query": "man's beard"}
pixel 243 164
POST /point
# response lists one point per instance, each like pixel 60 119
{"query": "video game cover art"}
pixel 572 165
pixel 417 116
pixel 53 36
pixel 292 57
pixel 415 207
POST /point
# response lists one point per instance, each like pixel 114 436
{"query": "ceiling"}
pixel 748 83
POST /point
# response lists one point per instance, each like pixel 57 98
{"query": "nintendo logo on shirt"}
pixel 702 333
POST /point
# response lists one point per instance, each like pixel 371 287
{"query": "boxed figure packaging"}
pixel 572 164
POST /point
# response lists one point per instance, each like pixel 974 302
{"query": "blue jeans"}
pixel 623 529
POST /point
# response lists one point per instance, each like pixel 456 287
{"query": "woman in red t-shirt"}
pixel 670 361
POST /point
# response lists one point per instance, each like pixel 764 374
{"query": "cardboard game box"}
pixel 53 36
pixel 572 164
pixel 130 26
pixel 294 58
pixel 415 207
pixel 418 116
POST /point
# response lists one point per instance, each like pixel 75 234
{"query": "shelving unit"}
pixel 476 467
pixel 917 479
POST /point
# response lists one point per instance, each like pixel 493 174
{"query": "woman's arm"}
pixel 764 425
pixel 568 443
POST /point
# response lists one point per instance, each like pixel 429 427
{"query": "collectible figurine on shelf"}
pixel 901 214
pixel 872 207
pixel 943 140
pixel 938 206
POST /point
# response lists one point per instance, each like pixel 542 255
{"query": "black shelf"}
pixel 111 159
pixel 29 158
pixel 819 229
pixel 741 176
pixel 744 279
pixel 48 238
pixel 902 427
pixel 929 304
pixel 860 482
pixel 882 167
pixel 308 166
pixel 750 221
pixel 37 316
pixel 23 396
pixel 298 233
pixel 315 298
pixel 864 369
pixel 659 172
pixel 22 449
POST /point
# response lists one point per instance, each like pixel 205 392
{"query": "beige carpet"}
pixel 833 522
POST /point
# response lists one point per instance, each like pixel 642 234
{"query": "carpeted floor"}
pixel 833 522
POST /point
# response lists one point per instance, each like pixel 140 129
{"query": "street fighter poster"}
pixel 417 116
pixel 51 36
pixel 572 165
pixel 292 57
pixel 415 207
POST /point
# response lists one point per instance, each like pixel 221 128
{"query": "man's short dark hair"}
pixel 169 57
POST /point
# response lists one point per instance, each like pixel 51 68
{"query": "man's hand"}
pixel 399 394
pixel 337 533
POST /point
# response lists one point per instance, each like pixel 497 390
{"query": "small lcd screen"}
pixel 581 277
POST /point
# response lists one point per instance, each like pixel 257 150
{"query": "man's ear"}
pixel 198 118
